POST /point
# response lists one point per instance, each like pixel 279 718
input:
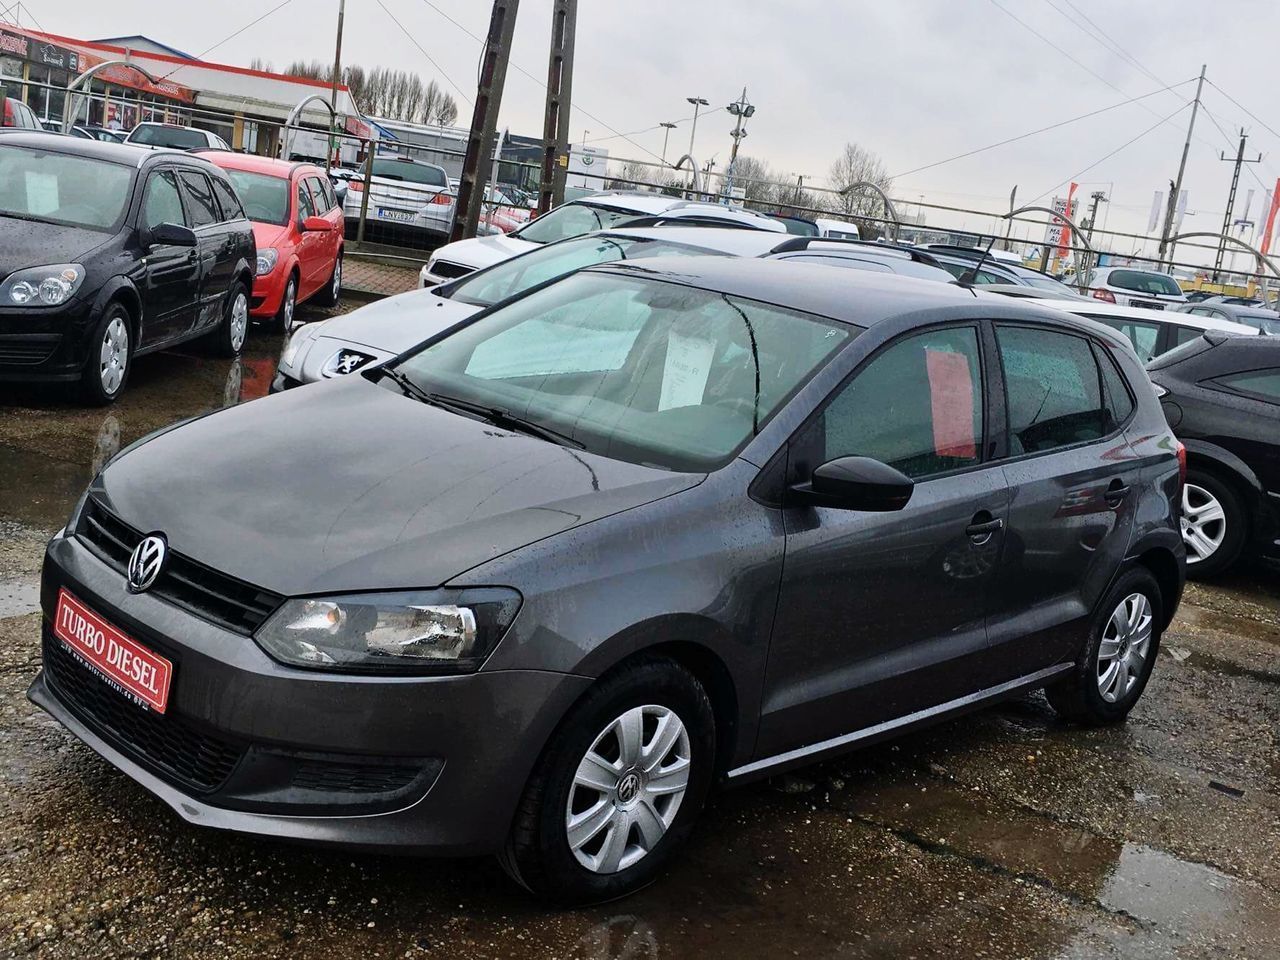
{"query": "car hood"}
pixel 30 243
pixel 348 485
pixel 268 234
pixel 397 323
pixel 481 252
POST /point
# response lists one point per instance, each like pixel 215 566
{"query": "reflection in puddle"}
pixel 622 937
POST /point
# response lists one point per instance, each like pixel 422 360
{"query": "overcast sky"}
pixel 916 81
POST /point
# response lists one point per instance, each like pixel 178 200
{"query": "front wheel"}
pixel 228 339
pixel 282 322
pixel 617 789
pixel 1119 655
pixel 110 352
pixel 328 297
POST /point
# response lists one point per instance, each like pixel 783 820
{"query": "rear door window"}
pixel 203 208
pixel 917 406
pixel 1054 390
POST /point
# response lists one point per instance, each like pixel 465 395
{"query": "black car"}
pixel 1256 314
pixel 1221 395
pixel 110 251
pixel 533 587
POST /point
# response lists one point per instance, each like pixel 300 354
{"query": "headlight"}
pixel 449 631
pixel 296 343
pixel 42 286
pixel 267 260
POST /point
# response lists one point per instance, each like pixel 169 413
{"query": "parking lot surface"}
pixel 1005 834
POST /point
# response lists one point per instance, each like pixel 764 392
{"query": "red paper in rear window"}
pixel 951 395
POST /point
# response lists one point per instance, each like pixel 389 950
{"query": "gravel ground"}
pixel 1006 834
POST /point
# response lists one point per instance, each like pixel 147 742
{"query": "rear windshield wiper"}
pixel 504 418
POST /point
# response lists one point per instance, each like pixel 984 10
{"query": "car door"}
pixel 324 245
pixel 309 243
pixel 172 273
pixel 214 243
pixel 1071 473
pixel 1256 436
pixel 882 614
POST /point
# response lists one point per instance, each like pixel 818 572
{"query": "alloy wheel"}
pixel 627 789
pixel 1126 641
pixel 337 279
pixel 239 320
pixel 290 301
pixel 113 357
pixel 1204 523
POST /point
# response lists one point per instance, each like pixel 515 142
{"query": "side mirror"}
pixel 316 224
pixel 173 234
pixel 856 483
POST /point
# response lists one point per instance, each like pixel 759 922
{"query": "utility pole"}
pixel 1182 168
pixel 1231 202
pixel 1098 197
pixel 555 125
pixel 484 119
pixel 333 90
pixel 1008 228
pixel 741 109
pixel 666 132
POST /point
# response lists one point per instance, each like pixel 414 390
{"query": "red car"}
pixel 297 223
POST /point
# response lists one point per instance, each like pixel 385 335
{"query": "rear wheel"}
pixel 618 788
pixel 1113 670
pixel 1214 524
pixel 110 353
pixel 228 339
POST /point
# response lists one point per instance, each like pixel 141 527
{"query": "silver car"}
pixel 403 193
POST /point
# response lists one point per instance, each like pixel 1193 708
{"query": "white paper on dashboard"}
pixel 42 192
pixel 684 375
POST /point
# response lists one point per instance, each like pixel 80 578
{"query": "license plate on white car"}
pixel 404 216
pixel 1146 304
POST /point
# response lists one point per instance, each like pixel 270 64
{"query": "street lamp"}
pixel 666 132
pixel 741 109
pixel 697 102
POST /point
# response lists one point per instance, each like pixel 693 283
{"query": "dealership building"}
pixel 247 108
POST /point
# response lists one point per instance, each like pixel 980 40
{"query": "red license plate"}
pixel 121 661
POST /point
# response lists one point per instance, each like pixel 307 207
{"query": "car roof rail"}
pixel 662 220
pixel 792 244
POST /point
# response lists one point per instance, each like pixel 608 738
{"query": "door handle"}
pixel 1116 492
pixel 980 531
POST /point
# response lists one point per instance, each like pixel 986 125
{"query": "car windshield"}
pixel 183 138
pixel 410 172
pixel 632 368
pixel 265 198
pixel 573 220
pixel 1266 322
pixel 1156 284
pixel 1045 283
pixel 63 188
pixel 518 274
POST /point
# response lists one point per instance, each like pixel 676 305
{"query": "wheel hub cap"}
pixel 114 355
pixel 1204 523
pixel 1126 641
pixel 628 788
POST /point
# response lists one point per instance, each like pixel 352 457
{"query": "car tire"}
pixel 282 322
pixel 228 339
pixel 1214 524
pixel 106 370
pixel 1118 657
pixel 642 815
pixel 328 297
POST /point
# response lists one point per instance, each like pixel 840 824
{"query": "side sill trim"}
pixel 889 726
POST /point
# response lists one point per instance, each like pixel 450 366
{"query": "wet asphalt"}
pixel 1005 834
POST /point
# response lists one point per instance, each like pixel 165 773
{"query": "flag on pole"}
pixel 1064 241
pixel 1157 204
pixel 1271 218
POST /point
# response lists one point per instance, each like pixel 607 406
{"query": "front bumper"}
pixel 45 343
pixel 268 291
pixel 463 746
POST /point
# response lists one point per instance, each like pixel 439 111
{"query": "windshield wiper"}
pixel 410 388
pixel 505 418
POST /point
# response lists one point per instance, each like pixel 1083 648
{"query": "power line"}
pixel 542 83
pixel 1108 156
pixel 1103 37
pixel 1052 126
pixel 430 60
pixel 1227 139
pixel 251 23
pixel 1249 113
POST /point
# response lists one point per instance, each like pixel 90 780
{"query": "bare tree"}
pixel 257 63
pixel 438 106
pixel 631 176
pixel 856 164
pixel 382 92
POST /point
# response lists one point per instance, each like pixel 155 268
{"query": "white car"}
pixel 573 219
pixel 1131 287
pixel 174 136
pixel 403 193
pixel 1152 332
pixel 379 331
pixel 837 229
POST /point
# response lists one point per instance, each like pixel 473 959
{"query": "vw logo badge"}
pixel 146 562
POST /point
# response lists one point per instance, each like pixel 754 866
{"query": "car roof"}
pixel 742 243
pixel 125 153
pixel 1100 308
pixel 859 297
pixel 252 163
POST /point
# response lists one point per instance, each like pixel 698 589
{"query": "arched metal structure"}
pixel 884 198
pixel 1079 234
pixel 697 183
pixel 75 88
pixel 1261 257
pixel 290 122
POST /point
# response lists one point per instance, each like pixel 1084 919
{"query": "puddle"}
pixel 19 597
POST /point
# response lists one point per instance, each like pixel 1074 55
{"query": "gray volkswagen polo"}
pixel 534 588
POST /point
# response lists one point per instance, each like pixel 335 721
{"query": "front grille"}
pixel 32 350
pixel 450 271
pixel 353 778
pixel 168 744
pixel 198 589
